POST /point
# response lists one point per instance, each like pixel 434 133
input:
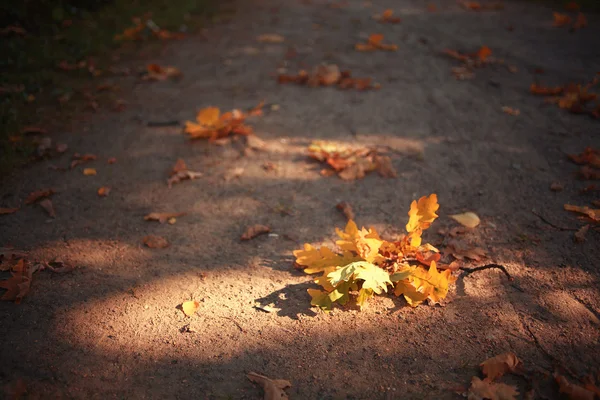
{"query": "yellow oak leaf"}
pixel 208 116
pixel 316 260
pixel 365 243
pixel 424 284
pixel 422 213
pixel 320 298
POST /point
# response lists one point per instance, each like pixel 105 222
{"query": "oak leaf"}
pixel 190 307
pixel 573 392
pixel 499 365
pixel 37 195
pixel 18 285
pixel 589 156
pixel 179 173
pixel 468 219
pixel 430 284
pixel 162 217
pixel 317 260
pixel 461 250
pixel 375 42
pixel 273 388
pixel 484 390
pixel 80 159
pixel 211 124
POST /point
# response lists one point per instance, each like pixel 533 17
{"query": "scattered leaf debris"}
pixel 46 204
pixel 328 75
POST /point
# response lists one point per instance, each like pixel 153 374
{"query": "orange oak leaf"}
pixel 495 367
pixel 388 17
pixel 593 214
pixel 589 156
pixel 80 159
pixel 18 285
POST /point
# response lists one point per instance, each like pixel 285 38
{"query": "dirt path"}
pixel 111 329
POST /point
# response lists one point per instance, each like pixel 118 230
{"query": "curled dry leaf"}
pixel 103 191
pixel 89 171
pixel 162 217
pixel 556 187
pixel 155 242
pixel 573 392
pixel 346 209
pixel 484 390
pixel 593 214
pixel 255 230
pixel 273 388
pixel 579 236
pixel 190 307
pixel 270 38
pixel 8 210
pixel 39 194
pixel 511 111
pixel 46 204
pixel 375 42
pixel 157 73
pixel 496 367
pixel 468 219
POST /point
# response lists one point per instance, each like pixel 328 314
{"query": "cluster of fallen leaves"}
pixel 367 264
pixel 508 363
pixel 470 61
pixel 350 162
pixel 21 271
pixel 144 28
pixel 328 75
pixel 576 98
pixel 211 124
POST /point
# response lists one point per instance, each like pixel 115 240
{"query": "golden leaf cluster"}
pixel 365 264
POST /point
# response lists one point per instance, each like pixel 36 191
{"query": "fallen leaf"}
pixel 157 73
pixel 80 159
pixel 233 173
pixel 4 210
pixel 273 388
pixel 111 160
pixel 588 173
pixel 572 6
pixel 190 307
pixel 103 191
pixel 328 75
pixel 18 285
pixel 579 236
pixel 468 219
pixel 484 390
pixel 461 250
pixel 172 221
pixel 573 392
pixel 483 53
pixel 375 42
pixel 589 156
pixel 496 367
pixel 511 111
pixel 162 217
pixel 594 214
pixel 255 143
pixel 556 187
pixel 155 242
pixel 46 204
pixel 270 38
pixel 89 171
pixel 561 19
pixel 255 230
pixel 182 176
pixel 267 309
pixel 211 124
pixel 37 195
pixel 384 167
pixel 546 91
pixel 387 17
pixel 346 209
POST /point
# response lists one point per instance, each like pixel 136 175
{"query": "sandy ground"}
pixel 111 328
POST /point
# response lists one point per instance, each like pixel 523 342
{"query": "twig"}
pixel 236 323
pixel 562 228
pixel 469 271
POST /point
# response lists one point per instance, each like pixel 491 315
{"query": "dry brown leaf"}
pixel 588 173
pixel 270 38
pixel 80 159
pixel 39 194
pixel 155 242
pixel 162 217
pixel 89 171
pixel 375 42
pixel 556 187
pixel 190 307
pixel 157 73
pixel 590 156
pixel 384 166
pixel 511 111
pixel 182 176
pixel 561 19
pixel 579 236
pixel 46 204
pixel 461 250
pixel 594 214
pixel 273 388
pixel 483 390
pixel 18 285
pixel 346 209
pixel 387 17
pixel 255 230
pixel 4 210
pixel 496 367
pixel 573 392
pixel 468 219
pixel 104 191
